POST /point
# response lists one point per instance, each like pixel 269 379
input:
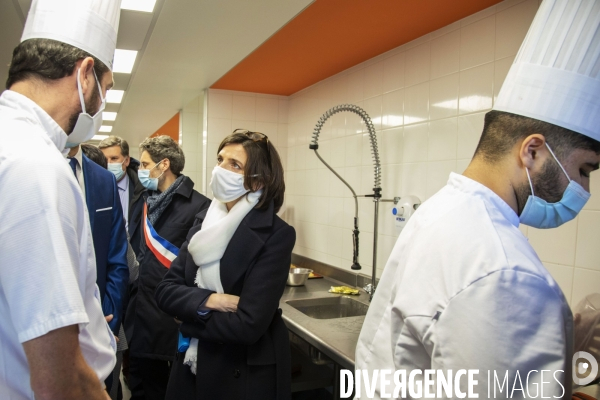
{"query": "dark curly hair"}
pixel 47 60
pixel 262 170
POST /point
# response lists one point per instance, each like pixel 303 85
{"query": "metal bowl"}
pixel 298 276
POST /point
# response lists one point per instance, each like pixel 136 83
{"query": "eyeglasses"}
pixel 256 137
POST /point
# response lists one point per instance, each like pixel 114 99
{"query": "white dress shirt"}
pixel 123 186
pixel 47 264
pixel 79 170
pixel 463 289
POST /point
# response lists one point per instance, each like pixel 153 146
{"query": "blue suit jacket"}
pixel 110 238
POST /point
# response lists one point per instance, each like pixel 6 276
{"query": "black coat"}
pixel 150 332
pixel 241 355
pixel 137 199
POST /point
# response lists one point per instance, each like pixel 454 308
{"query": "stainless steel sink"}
pixel 330 307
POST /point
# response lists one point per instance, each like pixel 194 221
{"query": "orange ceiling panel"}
pixel 330 36
pixel 170 128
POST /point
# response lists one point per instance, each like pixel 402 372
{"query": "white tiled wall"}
pixel 427 100
pixel 228 110
pixel 191 140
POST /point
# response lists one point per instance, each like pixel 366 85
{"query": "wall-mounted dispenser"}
pixel 403 210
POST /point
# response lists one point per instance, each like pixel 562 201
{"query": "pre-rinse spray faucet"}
pixel 377 184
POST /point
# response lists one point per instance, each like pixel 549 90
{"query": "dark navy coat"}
pixel 245 354
pixel 110 238
pixel 152 333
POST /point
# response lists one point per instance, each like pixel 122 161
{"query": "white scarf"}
pixel 207 247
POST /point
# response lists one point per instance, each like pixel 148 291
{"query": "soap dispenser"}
pixel 404 210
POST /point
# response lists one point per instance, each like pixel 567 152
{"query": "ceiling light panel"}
pixel 124 60
pixel 99 137
pixel 138 5
pixel 105 128
pixel 109 116
pixel 114 96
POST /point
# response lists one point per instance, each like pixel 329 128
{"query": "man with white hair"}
pixel 54 340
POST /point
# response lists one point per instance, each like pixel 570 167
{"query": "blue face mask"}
pixel 116 169
pixel 541 214
pixel 146 181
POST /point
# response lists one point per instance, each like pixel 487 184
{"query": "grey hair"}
pixel 115 141
pixel 161 147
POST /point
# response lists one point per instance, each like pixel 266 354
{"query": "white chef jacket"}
pixel 463 289
pixel 47 262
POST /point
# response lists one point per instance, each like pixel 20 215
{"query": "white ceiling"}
pixel 185 46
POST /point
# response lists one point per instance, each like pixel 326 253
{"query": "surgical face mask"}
pixel 227 185
pixel 541 214
pixel 116 169
pixel 86 126
pixel 146 181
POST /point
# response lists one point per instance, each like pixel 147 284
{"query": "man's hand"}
pixel 58 369
pixel 222 302
pixel 108 319
pixel 586 332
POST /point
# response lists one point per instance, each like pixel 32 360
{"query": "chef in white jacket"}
pixel 463 289
pixel 54 340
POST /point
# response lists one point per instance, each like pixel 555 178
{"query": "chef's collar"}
pixel 470 186
pixel 35 114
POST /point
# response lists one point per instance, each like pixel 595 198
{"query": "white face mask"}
pixel 86 126
pixel 227 185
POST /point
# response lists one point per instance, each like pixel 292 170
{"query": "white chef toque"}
pixel 556 74
pixel 90 25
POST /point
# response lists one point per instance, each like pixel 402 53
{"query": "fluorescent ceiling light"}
pixel 99 137
pixel 105 128
pixel 138 5
pixel 114 96
pixel 124 60
pixel 109 116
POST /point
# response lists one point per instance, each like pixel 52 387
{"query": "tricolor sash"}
pixel 164 251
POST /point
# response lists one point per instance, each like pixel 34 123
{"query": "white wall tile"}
pixel 443 97
pixel 267 109
pixel 588 232
pixel 373 80
pixel 478 16
pixel 555 245
pixel 442 139
pixel 218 129
pixel 391 145
pixel 414 180
pixel 476 89
pixel 438 173
pixel 283 111
pixel 445 52
pixel 585 282
pixel 219 105
pixel 373 107
pixel 418 61
pixel 355 82
pixel 393 73
pixel 501 68
pixel 249 124
pixel 393 109
pixel 511 27
pixel 469 132
pixel 416 103
pixel 415 143
pixel 477 43
pixel 244 108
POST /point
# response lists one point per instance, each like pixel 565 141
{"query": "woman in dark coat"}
pixel 226 283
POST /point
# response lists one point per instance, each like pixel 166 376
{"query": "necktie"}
pixel 73 164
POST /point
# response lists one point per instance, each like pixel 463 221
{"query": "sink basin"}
pixel 330 307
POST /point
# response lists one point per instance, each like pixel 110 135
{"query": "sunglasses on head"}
pixel 255 136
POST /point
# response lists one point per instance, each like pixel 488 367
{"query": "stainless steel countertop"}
pixel 336 337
